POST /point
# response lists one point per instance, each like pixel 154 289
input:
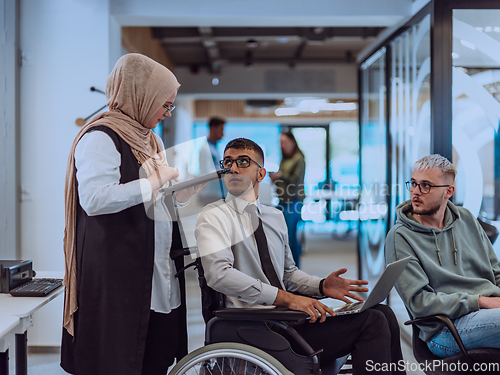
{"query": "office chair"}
pixel 480 357
pixel 490 230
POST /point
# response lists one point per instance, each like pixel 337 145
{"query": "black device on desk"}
pixel 16 278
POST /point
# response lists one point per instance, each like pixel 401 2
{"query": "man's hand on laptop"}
pixel 311 306
pixel 339 288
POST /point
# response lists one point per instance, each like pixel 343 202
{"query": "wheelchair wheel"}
pixel 229 358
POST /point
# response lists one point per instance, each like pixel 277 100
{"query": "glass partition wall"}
pixel 476 112
pixel 395 132
pixel 373 167
pixel 410 107
pixel 433 86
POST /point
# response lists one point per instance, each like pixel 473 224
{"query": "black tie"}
pixel 260 238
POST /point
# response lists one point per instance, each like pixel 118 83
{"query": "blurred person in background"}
pixel 289 181
pixel 209 161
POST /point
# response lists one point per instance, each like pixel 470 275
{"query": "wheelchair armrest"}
pixel 277 313
pixel 449 324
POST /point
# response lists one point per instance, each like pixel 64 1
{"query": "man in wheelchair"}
pixel 245 255
pixel 453 269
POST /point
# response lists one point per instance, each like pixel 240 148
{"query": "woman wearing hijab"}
pixel 124 309
pixel 289 181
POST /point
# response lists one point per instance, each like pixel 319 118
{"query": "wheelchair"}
pixel 251 341
pixel 245 341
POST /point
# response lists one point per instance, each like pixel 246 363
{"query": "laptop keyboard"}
pixel 350 307
pixel 36 288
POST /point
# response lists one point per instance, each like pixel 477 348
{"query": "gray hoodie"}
pixel 449 268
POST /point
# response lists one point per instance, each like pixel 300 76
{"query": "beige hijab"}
pixel 135 90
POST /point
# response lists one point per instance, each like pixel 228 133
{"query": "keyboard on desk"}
pixel 36 288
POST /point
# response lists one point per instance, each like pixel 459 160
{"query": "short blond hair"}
pixel 436 161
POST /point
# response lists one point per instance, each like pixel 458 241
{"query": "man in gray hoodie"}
pixel 453 269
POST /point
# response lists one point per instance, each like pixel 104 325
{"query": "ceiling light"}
pixel 468 44
pixel 339 107
pixel 303 102
pixel 311 105
pixel 215 81
pixel 286 111
pixel 455 55
pixel 252 43
pixel 496 29
pixel 488 29
pixel 208 43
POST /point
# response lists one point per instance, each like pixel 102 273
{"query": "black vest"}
pixel 115 258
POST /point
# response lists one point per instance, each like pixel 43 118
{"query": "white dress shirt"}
pixel 230 257
pixel 98 174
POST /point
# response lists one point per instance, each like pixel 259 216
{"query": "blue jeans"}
pixel 479 329
pixel 292 213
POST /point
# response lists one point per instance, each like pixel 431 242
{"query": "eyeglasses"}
pixel 241 162
pixel 168 108
pixel 424 187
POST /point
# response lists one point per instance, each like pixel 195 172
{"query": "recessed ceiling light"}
pixel 252 43
pixel 339 107
pixel 286 111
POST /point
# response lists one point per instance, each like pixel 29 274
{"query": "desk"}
pixel 16 316
pixel 8 327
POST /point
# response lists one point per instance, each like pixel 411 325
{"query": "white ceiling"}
pixel 208 38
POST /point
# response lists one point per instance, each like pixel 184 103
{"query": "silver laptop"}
pixel 380 291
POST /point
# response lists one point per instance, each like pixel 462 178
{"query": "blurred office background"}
pixel 366 87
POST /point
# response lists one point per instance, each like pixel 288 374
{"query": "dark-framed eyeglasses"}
pixel 241 162
pixel 169 108
pixel 424 187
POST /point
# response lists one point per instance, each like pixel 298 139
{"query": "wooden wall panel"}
pixel 239 109
pixel 140 40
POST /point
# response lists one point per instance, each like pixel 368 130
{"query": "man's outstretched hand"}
pixel 339 288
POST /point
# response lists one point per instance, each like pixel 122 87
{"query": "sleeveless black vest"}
pixel 115 258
